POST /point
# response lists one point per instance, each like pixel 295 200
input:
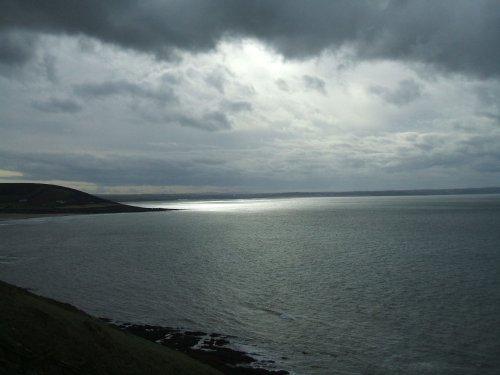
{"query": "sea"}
pixel 317 285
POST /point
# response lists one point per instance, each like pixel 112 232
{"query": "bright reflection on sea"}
pixel 229 205
pixel 249 205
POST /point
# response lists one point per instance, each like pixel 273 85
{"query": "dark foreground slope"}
pixel 31 198
pixel 42 336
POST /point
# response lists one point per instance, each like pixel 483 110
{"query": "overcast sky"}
pixel 250 95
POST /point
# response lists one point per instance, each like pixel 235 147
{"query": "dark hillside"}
pixel 45 337
pixel 48 199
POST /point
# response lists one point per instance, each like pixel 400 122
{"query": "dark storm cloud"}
pixel 457 36
pixel 16 48
pixel 406 92
pixel 55 105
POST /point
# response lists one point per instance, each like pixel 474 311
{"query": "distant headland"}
pixel 46 199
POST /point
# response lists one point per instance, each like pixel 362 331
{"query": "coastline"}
pixel 31 323
pixel 213 349
pixel 28 200
pixel 42 335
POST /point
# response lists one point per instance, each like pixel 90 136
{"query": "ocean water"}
pixel 362 285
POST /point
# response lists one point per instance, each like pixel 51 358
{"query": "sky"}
pixel 183 96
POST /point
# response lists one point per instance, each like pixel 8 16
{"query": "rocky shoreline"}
pixel 212 349
pixel 42 336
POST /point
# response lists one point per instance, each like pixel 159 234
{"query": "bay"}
pixel 351 285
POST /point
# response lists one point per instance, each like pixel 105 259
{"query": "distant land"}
pixel 32 198
pixel 362 193
pixel 46 199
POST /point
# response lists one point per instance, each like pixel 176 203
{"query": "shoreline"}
pixel 46 336
pixel 213 349
pixel 40 335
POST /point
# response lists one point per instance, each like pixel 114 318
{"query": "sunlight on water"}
pixel 248 205
pixel 230 205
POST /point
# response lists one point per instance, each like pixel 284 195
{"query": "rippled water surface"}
pixel 374 285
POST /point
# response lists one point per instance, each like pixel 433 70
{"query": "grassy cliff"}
pixel 42 336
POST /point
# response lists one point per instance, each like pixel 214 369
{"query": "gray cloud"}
pixel 212 121
pixel 314 83
pixel 406 91
pixel 218 79
pixel 282 85
pixel 55 105
pixel 124 88
pixel 439 152
pixel 105 170
pixel 119 169
pixel 49 65
pixel 236 106
pixel 260 126
pixel 495 117
pixel 458 36
pixel 377 162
